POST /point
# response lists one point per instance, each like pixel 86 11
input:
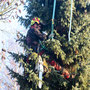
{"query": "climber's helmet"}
pixel 37 21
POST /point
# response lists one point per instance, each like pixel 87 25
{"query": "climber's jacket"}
pixel 33 37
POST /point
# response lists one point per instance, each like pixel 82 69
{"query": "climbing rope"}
pixel 54 6
pixel 70 22
pixel 53 18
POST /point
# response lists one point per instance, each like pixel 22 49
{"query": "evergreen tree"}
pixel 73 56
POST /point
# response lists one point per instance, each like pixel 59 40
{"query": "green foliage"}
pixel 16 57
pixel 54 46
pixel 35 9
pixel 62 15
pixel 22 80
pixel 59 83
pixel 75 54
pixel 29 79
pixel 81 80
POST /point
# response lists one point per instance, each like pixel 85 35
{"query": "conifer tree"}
pixel 73 56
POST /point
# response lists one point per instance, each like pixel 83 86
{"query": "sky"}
pixel 8 37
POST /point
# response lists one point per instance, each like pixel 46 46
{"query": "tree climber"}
pixel 34 34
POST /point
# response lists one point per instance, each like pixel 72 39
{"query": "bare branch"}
pixel 6 7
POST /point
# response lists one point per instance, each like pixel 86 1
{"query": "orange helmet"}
pixel 36 20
